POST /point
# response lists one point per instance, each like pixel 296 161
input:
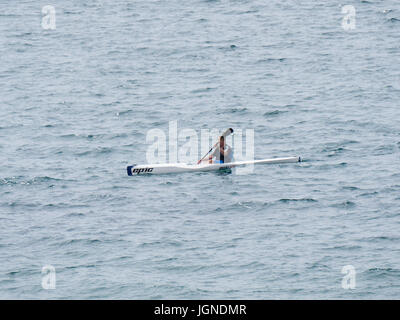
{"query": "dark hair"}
pixel 221 138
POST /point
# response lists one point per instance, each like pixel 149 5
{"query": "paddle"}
pixel 225 134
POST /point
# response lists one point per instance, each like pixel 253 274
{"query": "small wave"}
pixel 26 34
pixel 345 247
pixel 22 272
pixel 161 243
pixel 271 60
pixel 273 113
pixel 203 90
pixel 10 181
pixel 10 15
pixel 393 20
pixel 81 266
pixel 238 110
pixel 72 12
pixel 230 48
pixel 368 194
pixel 68 136
pixel 98 151
pixel 385 270
pixel 350 188
pixel 125 112
pixel 381 238
pixel 253 265
pixel 80 242
pixel 16 204
pixel 344 205
pixel 380 273
pixel 384 149
pixel 334 150
pixel 20 180
pixel 74 214
pixel 246 204
pixel 316 265
pixel 297 200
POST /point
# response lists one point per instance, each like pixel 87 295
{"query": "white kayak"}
pixel 183 167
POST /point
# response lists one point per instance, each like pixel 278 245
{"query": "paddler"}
pixel 222 154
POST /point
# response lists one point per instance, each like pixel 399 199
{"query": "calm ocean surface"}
pixel 77 102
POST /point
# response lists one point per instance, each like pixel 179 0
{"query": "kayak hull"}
pixel 183 167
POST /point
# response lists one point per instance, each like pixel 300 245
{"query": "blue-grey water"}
pixel 77 102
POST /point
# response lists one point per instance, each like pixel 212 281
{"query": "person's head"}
pixel 222 141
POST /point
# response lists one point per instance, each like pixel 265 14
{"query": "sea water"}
pixel 77 99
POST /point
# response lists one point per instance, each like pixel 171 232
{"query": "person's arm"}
pixel 209 159
pixel 212 155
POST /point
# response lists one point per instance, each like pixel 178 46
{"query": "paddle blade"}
pixel 227 132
